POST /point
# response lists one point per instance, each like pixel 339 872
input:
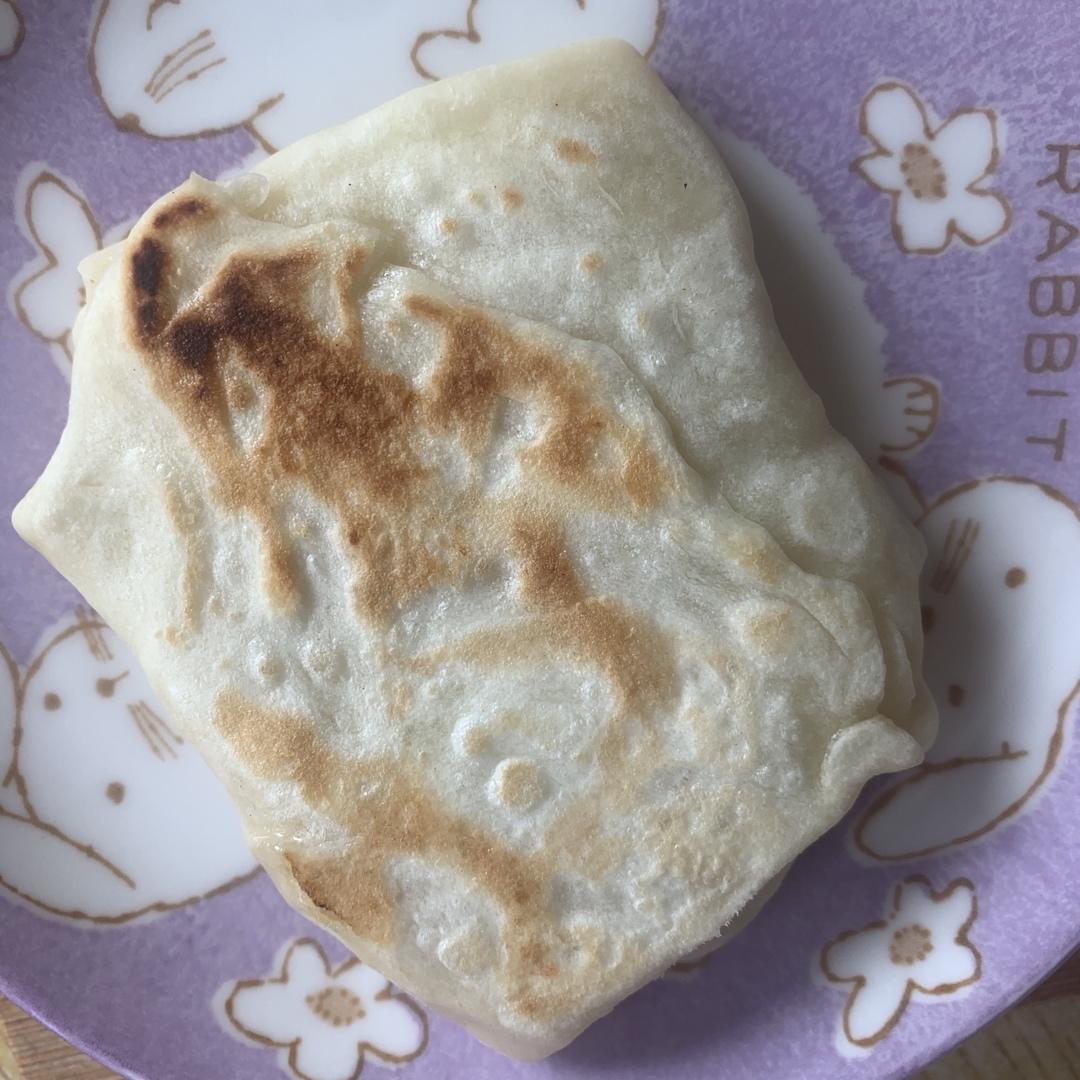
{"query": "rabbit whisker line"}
pixel 156 91
pixel 168 58
pixel 190 78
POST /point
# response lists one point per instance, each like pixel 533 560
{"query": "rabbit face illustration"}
pixel 180 69
pixel 184 68
pixel 1000 590
pixel 120 815
pixel 281 69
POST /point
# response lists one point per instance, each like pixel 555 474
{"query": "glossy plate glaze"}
pixel 916 203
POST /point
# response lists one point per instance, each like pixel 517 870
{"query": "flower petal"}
pixel 858 954
pixel 265 1010
pixel 873 1007
pixel 893 116
pixel 980 215
pixel 955 909
pixel 947 967
pixel 912 898
pixel 943 916
pixel 965 146
pixel 882 170
pixel 306 968
pixel 922 226
pixel 393 1030
pixel 330 1054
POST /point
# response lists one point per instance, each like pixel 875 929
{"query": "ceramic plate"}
pixel 913 175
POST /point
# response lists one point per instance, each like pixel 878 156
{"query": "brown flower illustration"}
pixel 933 175
pixel 919 950
pixel 326 1020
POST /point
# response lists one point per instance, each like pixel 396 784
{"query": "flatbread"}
pixel 453 487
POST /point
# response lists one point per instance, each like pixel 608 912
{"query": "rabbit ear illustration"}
pixel 490 32
pixel 10 798
pixel 58 221
pixel 12 29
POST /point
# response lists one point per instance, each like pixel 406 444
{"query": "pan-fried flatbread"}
pixel 453 487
